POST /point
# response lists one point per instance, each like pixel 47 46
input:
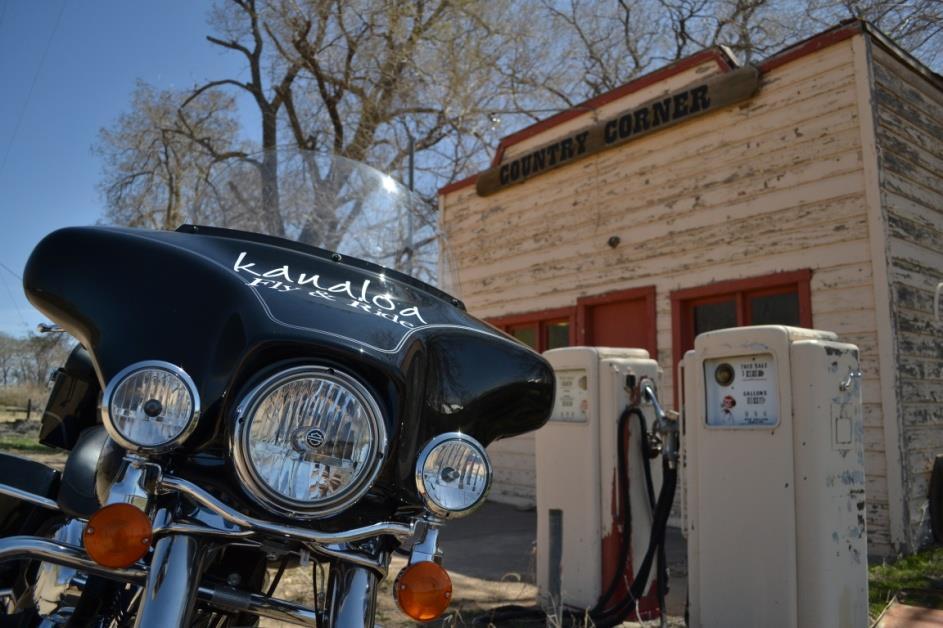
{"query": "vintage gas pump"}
pixel 590 542
pixel 773 441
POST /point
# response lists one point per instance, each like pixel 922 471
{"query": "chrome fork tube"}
pixel 170 592
pixel 353 595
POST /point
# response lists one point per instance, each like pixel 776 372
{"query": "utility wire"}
pixel 12 272
pixel 16 305
pixel 32 86
pixel 10 294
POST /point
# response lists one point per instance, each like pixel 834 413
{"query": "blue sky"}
pixel 53 107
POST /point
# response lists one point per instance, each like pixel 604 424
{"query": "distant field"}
pixel 9 413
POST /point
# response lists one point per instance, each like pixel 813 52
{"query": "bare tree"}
pixel 600 45
pixel 916 25
pixel 41 354
pixel 368 79
pixel 29 360
pixel 9 349
pixel 153 167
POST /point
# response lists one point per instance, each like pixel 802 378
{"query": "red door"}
pixel 619 319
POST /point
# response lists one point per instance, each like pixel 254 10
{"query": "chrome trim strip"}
pixel 170 483
pixel 26 496
pixel 256 487
pixel 380 564
pixel 431 505
pixel 133 481
pixel 258 604
pixel 118 437
pixel 199 530
pixel 426 546
pixel 20 547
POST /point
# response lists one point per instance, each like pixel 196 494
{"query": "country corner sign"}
pixel 659 113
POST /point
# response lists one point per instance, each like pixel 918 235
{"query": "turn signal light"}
pixel 117 536
pixel 423 590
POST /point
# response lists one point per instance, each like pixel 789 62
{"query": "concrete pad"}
pixel 498 543
pixel 913 609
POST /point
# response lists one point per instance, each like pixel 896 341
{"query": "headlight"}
pixel 308 441
pixel 453 474
pixel 150 406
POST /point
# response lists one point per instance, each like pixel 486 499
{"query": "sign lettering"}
pixel 659 113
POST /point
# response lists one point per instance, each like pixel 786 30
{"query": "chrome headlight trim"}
pixel 256 487
pixel 108 395
pixel 421 484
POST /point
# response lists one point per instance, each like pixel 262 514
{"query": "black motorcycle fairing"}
pixel 222 305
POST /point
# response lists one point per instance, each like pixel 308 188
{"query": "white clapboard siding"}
pixel 513 460
pixel 773 184
pixel 909 132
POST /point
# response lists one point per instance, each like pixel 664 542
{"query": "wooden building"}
pixel 807 190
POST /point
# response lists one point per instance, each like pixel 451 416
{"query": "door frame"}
pixel 646 293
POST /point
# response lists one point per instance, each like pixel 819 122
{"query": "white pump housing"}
pixel 577 535
pixel 773 442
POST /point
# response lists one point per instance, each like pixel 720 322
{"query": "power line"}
pixel 29 93
pixel 6 287
pixel 16 305
pixel 12 272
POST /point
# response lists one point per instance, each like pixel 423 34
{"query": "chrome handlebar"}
pixel 213 519
pixel 169 483
pixel 177 546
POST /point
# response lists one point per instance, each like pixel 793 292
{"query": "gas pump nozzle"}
pixel 666 424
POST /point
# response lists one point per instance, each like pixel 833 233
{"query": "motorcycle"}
pixel 239 403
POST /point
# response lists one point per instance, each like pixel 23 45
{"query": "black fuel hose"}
pixel 625 544
pixel 615 615
pixel 661 566
pixel 601 614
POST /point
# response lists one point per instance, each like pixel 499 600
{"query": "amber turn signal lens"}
pixel 117 536
pixel 423 590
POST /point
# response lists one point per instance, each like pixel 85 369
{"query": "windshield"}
pixel 332 203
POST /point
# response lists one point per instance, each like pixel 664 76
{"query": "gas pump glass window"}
pixel 742 391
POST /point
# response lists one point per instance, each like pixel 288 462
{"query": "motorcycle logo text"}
pixel 314 438
pixel 361 297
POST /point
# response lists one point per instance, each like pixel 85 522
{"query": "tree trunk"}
pixel 269 174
